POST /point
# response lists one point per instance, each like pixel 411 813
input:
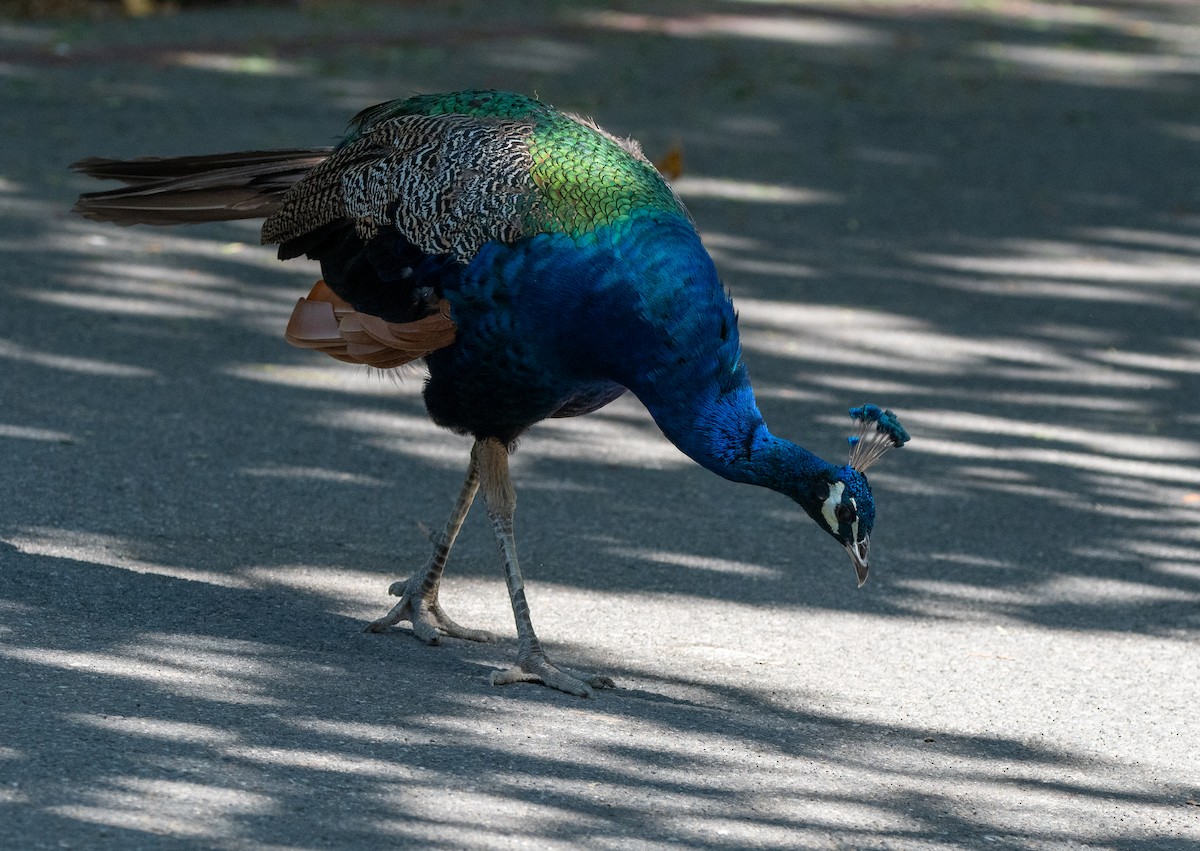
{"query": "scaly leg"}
pixel 419 593
pixel 491 458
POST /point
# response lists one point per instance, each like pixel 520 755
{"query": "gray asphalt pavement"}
pixel 985 216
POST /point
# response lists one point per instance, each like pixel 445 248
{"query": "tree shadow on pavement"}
pixel 986 219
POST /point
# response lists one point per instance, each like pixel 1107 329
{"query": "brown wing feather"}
pixel 326 323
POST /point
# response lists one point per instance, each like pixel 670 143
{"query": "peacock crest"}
pixel 878 431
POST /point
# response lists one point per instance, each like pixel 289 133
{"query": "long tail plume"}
pixel 183 190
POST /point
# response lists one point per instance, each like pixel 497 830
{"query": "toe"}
pixel 515 674
pixel 426 631
pixel 538 670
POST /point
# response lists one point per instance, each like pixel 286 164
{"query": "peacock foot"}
pixel 429 621
pixel 535 668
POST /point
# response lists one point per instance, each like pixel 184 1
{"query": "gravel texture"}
pixel 985 216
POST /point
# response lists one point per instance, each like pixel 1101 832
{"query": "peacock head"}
pixel 846 508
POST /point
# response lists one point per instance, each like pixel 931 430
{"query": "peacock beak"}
pixel 858 555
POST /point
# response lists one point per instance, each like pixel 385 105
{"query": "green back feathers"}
pixel 588 178
pixel 453 172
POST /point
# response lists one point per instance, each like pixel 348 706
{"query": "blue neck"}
pixel 689 374
pixel 725 433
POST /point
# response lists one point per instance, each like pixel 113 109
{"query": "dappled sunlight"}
pixel 740 255
pixel 541 55
pixel 970 601
pixel 621 434
pixel 875 342
pixel 771 268
pixel 610 437
pixel 420 815
pixel 15 204
pixel 1188 365
pixel 413 435
pixel 812 31
pixel 874 351
pixel 1064 416
pixel 1159 471
pixel 15 432
pixel 25 353
pixel 1174 553
pixel 154 274
pixel 173 663
pixel 1058 290
pixel 155 728
pixel 692 186
pixel 332 377
pixel 125 249
pixel 1083 261
pixel 977 214
pixel 792 797
pixel 1188 132
pixel 678 773
pixel 1082 66
pixel 1102 442
pixel 314 474
pixel 1017 482
pixel 24 33
pixel 696 562
pixel 177 807
pixel 238 63
pixel 168 308
pixel 904 159
pixel 345 591
pixel 107 550
pixel 1186 244
pixel 1178 570
pixel 326 762
pixel 1091 591
pixel 1073 401
pixel 163 288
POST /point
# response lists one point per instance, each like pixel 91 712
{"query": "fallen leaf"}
pixel 670 165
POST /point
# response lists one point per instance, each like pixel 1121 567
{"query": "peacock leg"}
pixel 491 458
pixel 419 593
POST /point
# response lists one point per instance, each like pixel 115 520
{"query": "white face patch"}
pixel 828 510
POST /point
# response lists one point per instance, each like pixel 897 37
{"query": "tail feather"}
pixel 183 190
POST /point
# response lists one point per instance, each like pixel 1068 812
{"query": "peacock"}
pixel 540 267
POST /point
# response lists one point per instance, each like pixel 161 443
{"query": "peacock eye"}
pixel 845 513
